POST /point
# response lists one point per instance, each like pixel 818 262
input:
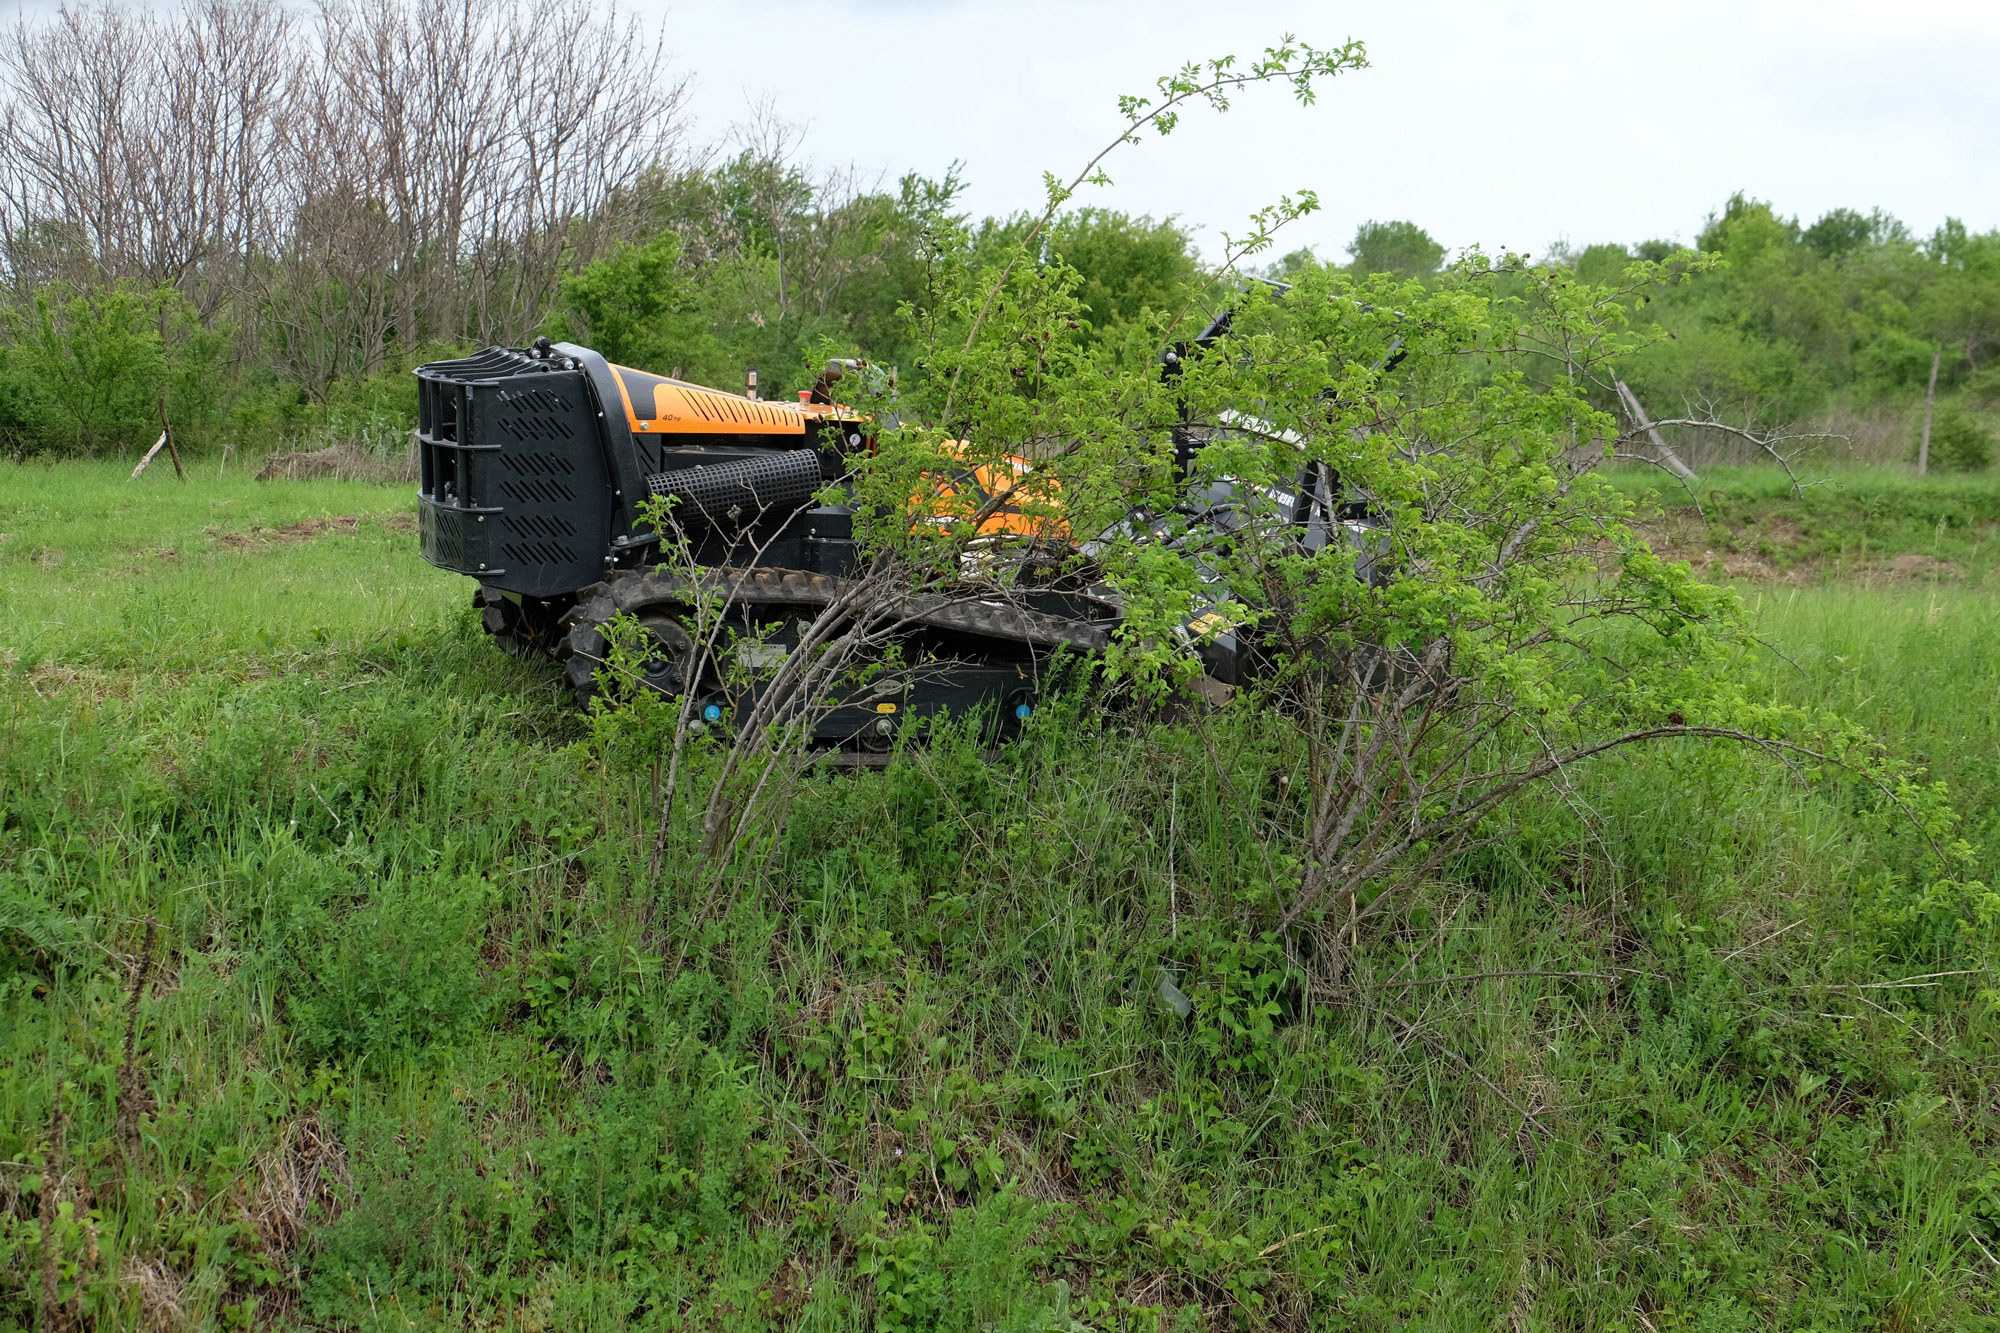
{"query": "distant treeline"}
pixel 1840 323
pixel 253 210
pixel 1849 319
pixel 262 220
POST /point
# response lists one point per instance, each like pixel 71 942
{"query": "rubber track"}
pixel 635 591
pixel 632 591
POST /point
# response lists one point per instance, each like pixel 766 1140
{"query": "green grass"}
pixel 1850 523
pixel 423 1050
pixel 1919 665
pixel 109 574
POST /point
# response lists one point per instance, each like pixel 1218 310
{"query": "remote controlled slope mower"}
pixel 533 466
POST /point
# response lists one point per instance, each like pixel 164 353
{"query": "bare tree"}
pixel 139 147
pixel 206 146
pixel 588 113
pixel 72 84
pixel 344 189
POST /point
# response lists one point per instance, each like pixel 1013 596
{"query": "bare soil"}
pixel 1775 551
pixel 259 535
pixel 340 462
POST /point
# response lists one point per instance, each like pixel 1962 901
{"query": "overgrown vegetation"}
pixel 410 1053
pixel 291 277
pixel 1549 938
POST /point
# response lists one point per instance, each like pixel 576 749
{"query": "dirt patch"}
pixel 299 1184
pixel 1773 552
pixel 340 462
pixel 161 1288
pixel 1912 565
pixel 51 680
pixel 258 535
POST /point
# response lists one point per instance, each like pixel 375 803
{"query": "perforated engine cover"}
pixel 749 490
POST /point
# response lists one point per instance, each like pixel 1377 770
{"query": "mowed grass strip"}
pixel 99 572
pixel 1854 526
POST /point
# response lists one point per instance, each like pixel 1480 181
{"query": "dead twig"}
pixel 1619 975
pixel 132 1096
pixel 53 1315
pixel 1920 981
pixel 1763 940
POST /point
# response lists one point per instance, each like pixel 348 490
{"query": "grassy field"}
pixel 1861 526
pixel 415 1045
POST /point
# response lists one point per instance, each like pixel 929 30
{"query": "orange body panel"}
pixel 656 405
pixel 957 496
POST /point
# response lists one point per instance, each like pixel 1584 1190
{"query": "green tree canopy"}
pixel 1288 267
pixel 1394 247
pixel 1844 231
pixel 1128 264
pixel 638 307
pixel 1960 307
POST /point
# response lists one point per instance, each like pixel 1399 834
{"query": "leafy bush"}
pixel 1129 266
pixel 1960 441
pixel 90 366
pixel 638 306
pixel 87 370
pixel 1894 359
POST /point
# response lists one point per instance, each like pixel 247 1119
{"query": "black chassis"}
pixel 529 484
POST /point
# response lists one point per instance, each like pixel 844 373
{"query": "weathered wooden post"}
pixel 1930 401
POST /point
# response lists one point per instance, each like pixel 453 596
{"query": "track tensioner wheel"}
pixel 666 656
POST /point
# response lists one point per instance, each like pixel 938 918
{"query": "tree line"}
pixel 261 220
pixel 1852 319
pixel 232 197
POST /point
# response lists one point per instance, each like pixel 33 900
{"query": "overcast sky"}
pixel 1510 125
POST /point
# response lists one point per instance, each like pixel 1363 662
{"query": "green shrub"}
pixel 638 306
pixel 1960 441
pixel 88 368
pixel 1894 358
pixel 429 1217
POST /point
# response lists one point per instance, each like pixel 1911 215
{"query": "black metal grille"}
pixel 542 538
pixel 536 492
pixel 537 479
pixel 529 464
pixel 521 554
pixel 551 526
pixel 534 426
pixel 443 537
pixel 740 492
pixel 516 489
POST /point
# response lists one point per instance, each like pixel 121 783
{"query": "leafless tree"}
pixel 590 109
pixel 72 84
pixel 344 188
pixel 140 147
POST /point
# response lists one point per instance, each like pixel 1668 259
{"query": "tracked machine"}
pixel 534 464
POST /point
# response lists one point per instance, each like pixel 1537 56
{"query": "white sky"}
pixel 1501 123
